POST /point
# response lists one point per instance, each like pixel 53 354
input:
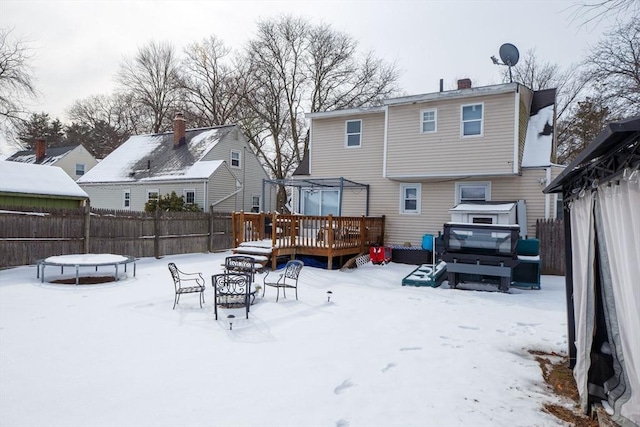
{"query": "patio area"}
pixel 376 354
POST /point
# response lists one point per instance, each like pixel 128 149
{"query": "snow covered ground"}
pixel 377 354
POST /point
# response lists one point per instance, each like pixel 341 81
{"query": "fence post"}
pixel 156 232
pixel 210 245
pixel 87 228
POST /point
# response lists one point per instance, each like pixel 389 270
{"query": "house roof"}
pixel 615 148
pixel 452 94
pixel 154 158
pixel 24 178
pixel 51 156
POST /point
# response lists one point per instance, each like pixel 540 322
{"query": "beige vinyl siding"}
pixel 528 187
pixel 412 153
pixel 77 155
pixel 331 158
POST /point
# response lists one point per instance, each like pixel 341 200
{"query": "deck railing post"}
pixel 330 231
pixel 363 232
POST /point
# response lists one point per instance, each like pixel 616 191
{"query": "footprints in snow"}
pixel 389 366
pixel 342 387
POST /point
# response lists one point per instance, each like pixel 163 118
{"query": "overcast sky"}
pixel 78 45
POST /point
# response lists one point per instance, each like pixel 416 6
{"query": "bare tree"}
pixel 107 121
pixel 613 68
pixel 214 89
pixel 594 11
pixel 338 79
pixel 153 81
pixel 16 80
pixel 275 92
pixel 293 67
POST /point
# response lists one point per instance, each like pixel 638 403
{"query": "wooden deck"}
pixel 293 235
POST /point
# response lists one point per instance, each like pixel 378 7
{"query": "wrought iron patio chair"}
pixel 184 283
pixel 288 278
pixel 240 264
pixel 232 290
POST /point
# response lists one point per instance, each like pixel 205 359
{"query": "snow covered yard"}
pixel 377 354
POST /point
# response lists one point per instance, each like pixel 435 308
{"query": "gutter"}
pixel 449 176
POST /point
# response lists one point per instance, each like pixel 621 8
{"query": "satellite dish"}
pixel 509 54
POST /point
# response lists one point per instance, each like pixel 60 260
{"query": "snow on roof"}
pixel 52 155
pixel 486 208
pixel 203 169
pixel 16 177
pixel 539 139
pixel 152 157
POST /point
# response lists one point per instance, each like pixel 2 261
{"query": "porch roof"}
pixel 316 182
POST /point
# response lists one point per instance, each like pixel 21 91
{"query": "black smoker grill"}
pixel 485 250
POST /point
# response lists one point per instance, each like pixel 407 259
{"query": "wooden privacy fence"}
pixel 550 232
pixel 27 236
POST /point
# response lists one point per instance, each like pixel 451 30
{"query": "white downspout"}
pixel 516 136
pixel 547 197
pixel 204 196
pixel 384 150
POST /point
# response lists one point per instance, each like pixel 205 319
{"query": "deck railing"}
pixel 307 231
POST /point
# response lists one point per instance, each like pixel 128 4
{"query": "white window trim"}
pixel 153 191
pixel 460 185
pixel 435 120
pixel 189 190
pixel 259 202
pixel 418 188
pixel 239 153
pixel 124 193
pixel 84 169
pixel 462 135
pixel 346 134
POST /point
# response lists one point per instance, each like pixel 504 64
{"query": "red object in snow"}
pixel 380 254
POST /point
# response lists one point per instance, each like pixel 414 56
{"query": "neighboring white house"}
pixel 74 160
pixel 421 155
pixel 211 167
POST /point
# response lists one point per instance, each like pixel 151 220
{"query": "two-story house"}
pixel 422 155
pixel 212 167
pixel 74 160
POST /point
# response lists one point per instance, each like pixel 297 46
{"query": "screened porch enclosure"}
pixel 317 196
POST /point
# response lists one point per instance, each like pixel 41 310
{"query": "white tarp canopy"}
pixel 602 191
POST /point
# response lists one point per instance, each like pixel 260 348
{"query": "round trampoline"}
pixel 85 260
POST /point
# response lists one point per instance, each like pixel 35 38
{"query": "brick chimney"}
pixel 179 130
pixel 464 84
pixel 41 149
